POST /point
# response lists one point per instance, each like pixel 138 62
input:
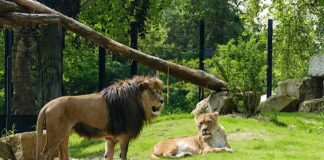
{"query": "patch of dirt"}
pixel 247 136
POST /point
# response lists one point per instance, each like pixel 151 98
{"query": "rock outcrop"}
pixel 316 66
pixel 278 104
pixel 214 102
pixel 314 105
pixel 304 89
pixel 6 152
pixel 23 145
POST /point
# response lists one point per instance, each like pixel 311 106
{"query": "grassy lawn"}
pixel 270 136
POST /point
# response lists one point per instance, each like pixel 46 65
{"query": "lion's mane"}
pixel 126 113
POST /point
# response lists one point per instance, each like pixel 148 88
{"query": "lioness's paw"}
pixel 229 150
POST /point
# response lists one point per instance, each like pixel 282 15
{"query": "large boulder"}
pixel 23 145
pixel 310 88
pixel 214 102
pixel 314 105
pixel 6 152
pixel 279 104
pixel 289 87
pixel 305 89
pixel 316 66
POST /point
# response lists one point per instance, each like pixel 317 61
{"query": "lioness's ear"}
pixel 215 115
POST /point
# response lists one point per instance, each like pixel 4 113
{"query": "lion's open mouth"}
pixel 155 110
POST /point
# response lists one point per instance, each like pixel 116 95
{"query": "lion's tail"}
pixel 39 130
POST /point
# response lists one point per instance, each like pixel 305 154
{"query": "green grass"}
pixel 270 136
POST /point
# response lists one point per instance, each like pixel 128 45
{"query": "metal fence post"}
pixel 8 76
pixel 134 36
pixel 269 69
pixel 102 68
pixel 201 53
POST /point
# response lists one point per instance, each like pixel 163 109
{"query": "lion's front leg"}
pixel 109 149
pixel 124 148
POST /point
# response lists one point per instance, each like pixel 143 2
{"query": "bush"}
pixel 242 63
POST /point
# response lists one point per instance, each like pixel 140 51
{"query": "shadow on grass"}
pixel 78 150
pixel 273 118
pixel 278 123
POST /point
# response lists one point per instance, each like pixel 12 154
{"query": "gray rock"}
pixel 316 66
pixel 305 89
pixel 310 88
pixel 215 102
pixel 23 145
pixel 314 105
pixel 5 151
pixel 289 87
pixel 279 104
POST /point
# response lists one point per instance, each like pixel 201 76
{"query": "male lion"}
pixel 211 138
pixel 117 114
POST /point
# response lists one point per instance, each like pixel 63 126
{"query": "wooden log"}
pixel 6 6
pixel 190 75
pixel 14 19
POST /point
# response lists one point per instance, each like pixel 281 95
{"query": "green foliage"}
pixel 80 71
pixel 7 132
pixel 2 101
pixel 298 35
pixel 242 63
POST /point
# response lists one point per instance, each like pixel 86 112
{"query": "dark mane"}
pixel 125 109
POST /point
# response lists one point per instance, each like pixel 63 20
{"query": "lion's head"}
pixel 131 102
pixel 151 96
pixel 206 123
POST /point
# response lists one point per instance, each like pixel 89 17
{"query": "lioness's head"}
pixel 152 97
pixel 206 123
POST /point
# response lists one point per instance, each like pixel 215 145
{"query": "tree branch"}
pixel 6 6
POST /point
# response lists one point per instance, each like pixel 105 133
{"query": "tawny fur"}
pixel 211 138
pixel 117 114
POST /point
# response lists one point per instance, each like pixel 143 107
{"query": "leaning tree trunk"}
pixel 48 60
pixel 23 97
pixel 49 56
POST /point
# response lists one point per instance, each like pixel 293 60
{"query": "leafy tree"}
pixel 80 66
pixel 298 35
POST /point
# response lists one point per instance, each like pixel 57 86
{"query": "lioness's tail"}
pixel 39 130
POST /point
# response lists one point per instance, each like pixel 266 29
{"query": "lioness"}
pixel 211 138
pixel 117 114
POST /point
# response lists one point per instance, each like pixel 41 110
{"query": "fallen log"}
pixel 13 19
pixel 6 6
pixel 187 74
